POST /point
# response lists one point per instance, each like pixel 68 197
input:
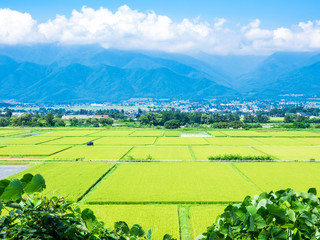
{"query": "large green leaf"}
pixel 122 226
pixel 137 231
pixel 13 191
pixel 259 222
pixel 37 184
pixel 3 184
pixel 276 211
pixel 26 179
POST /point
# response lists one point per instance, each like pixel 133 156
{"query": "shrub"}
pixel 281 215
pixel 240 157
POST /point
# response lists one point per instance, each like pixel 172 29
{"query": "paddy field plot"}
pixel 172 134
pixel 195 135
pixel 142 133
pixel 231 141
pixel 30 150
pixel 70 180
pixel 172 183
pixel 217 134
pixel 70 141
pixel 92 153
pixel 243 133
pixel 4 133
pixel 293 133
pixel 203 216
pixel 161 219
pixel 65 133
pixel 282 175
pixel 111 133
pixel 310 141
pixel 159 153
pixel 292 152
pixel 279 141
pixel 125 141
pixel 31 140
pixel 203 153
pixel 181 141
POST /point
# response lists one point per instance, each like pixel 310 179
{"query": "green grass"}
pixel 70 180
pixel 230 141
pixel 66 133
pixel 92 153
pixel 160 153
pixel 70 141
pixel 112 133
pixel 161 219
pixel 203 153
pixel 21 151
pixel 27 140
pixel 172 134
pixel 292 152
pixel 172 183
pixel 147 133
pixel 181 141
pixel 276 176
pixel 125 141
pixel 203 217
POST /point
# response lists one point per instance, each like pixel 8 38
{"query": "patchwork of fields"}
pixel 174 190
pixel 160 145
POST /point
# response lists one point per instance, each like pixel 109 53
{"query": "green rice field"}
pixel 92 152
pixel 161 219
pixel 172 182
pixel 125 141
pixel 180 153
pixel 30 150
pixel 70 180
pixel 162 179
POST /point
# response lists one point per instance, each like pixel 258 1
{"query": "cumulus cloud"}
pixel 127 28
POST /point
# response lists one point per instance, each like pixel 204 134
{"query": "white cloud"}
pixel 131 29
pixel 16 27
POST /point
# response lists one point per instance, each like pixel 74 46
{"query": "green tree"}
pixel 49 118
pixel 172 124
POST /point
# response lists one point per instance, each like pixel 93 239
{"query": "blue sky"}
pixel 256 27
pixel 272 13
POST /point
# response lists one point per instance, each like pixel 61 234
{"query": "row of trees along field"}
pixel 51 120
pixel 175 119
pixel 169 119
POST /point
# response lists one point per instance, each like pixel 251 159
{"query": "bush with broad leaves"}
pixel 284 214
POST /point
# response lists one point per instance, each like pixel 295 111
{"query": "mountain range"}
pixel 70 74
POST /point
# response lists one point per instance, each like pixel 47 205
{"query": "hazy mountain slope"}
pixel 275 67
pixel 30 82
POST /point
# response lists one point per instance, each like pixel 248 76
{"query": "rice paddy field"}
pixel 161 179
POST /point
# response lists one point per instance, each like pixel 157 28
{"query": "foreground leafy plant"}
pixel 39 217
pixel 281 215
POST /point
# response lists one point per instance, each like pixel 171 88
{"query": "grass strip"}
pixel 245 177
pixel 192 153
pixel 184 223
pixel 95 185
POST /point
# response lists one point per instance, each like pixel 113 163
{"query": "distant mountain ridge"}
pixel 65 74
